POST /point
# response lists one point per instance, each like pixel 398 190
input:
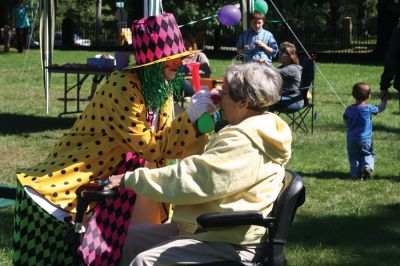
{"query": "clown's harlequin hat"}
pixel 157 39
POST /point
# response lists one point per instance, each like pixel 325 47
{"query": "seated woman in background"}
pixel 290 70
pixel 199 57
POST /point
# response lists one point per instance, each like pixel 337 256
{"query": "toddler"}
pixel 358 119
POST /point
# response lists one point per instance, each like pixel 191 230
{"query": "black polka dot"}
pixel 88 166
pixel 110 139
pixel 79 179
pixel 141 143
pixel 169 152
pixel 131 99
pixel 83 129
pixel 91 177
pixel 101 162
pixel 50 174
pixel 112 159
pixel 110 168
pixel 68 143
pixel 178 131
pixel 67 192
pixel 53 185
pixel 179 119
pixel 110 119
pixel 116 101
pixel 133 124
pixel 102 118
pixel 102 93
pixel 122 117
pixel 110 95
pixel 55 154
pixel 113 110
pixel 76 169
pixel 112 127
pixel 74 160
pixel 66 183
pixel 114 83
pixel 165 114
pixel 91 129
pixel 182 143
pixel 129 140
pixel 120 126
pixel 153 150
pixel 186 131
pixel 34 178
pixel 94 104
pixel 144 129
pixel 87 156
pixel 80 117
pixel 55 194
pixel 79 144
pixel 63 172
pixel 137 115
pixel 101 105
pixel 52 163
pixel 126 108
pixel 70 156
pixel 62 164
pixel 174 143
pixel 70 205
pixel 98 142
pixel 124 88
pixel 93 117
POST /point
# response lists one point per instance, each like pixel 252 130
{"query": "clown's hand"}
pixel 200 103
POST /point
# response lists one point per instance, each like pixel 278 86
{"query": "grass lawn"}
pixel 342 222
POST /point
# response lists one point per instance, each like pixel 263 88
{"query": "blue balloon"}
pixel 229 15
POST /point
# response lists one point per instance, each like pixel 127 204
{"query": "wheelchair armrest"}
pixel 223 219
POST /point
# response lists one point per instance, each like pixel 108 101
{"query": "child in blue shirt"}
pixel 358 118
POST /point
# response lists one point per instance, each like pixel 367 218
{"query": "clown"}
pixel 129 121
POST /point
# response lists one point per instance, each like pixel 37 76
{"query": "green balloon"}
pixel 261 5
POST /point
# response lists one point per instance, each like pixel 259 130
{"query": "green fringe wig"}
pixel 155 88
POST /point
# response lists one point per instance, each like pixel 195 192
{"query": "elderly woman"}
pixel 290 70
pixel 242 168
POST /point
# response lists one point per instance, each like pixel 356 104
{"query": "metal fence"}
pixel 316 40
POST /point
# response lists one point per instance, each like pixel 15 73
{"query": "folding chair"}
pixel 307 88
pixel 277 223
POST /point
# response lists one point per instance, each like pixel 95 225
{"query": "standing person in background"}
pixel 290 70
pixel 358 119
pixel 21 24
pixel 391 71
pixel 256 43
pixel 198 57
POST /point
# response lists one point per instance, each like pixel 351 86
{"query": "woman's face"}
pixel 171 67
pixel 228 107
pixel 283 57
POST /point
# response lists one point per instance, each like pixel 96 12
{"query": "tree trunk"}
pixel 388 15
pixel 98 23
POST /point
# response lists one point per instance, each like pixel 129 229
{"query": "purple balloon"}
pixel 229 15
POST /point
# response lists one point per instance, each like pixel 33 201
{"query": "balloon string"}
pixel 302 46
pixel 193 22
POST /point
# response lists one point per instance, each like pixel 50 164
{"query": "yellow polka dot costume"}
pixel 114 123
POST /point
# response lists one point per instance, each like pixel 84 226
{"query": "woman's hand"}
pixel 115 181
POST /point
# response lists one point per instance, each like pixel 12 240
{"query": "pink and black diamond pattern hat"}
pixel 157 39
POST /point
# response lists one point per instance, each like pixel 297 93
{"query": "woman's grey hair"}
pixel 257 82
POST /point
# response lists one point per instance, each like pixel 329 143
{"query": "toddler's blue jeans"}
pixel 360 156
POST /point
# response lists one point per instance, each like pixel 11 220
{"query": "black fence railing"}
pixel 316 40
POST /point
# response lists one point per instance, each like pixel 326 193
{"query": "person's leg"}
pixel 189 251
pixel 368 158
pixel 18 34
pixel 145 236
pixel 187 88
pixel 25 44
pixel 353 152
